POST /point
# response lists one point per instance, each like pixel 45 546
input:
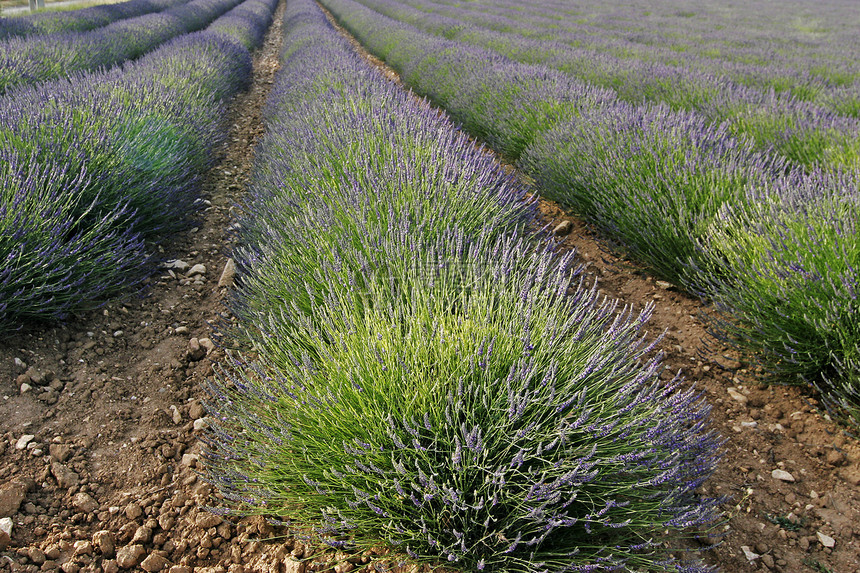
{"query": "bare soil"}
pixel 109 479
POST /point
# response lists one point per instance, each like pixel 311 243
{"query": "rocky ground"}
pixel 102 419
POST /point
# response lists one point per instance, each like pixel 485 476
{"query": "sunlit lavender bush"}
pixel 425 376
pixel 784 268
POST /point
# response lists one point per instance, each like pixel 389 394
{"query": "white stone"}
pixel 175 414
pixel 826 540
pixel 179 265
pixel 198 269
pixel 23 441
pixel 6 526
pixel 737 396
pixel 782 475
pixel 749 554
pixel 200 423
pixel 25 388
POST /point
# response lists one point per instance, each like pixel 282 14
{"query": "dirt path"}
pixel 101 419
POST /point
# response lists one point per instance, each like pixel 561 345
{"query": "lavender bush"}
pixel 80 20
pixel 101 165
pixel 426 376
pixel 651 178
pixel 784 268
pixel 47 56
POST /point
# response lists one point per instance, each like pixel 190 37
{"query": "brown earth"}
pixel 109 478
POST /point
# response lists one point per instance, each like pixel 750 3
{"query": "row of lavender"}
pixel 806 133
pixel 38 58
pixel 96 168
pixel 80 20
pixel 425 374
pixel 807 50
pixel 776 248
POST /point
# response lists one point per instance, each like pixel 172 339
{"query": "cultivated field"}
pixel 433 338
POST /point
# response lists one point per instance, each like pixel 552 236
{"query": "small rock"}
pixel 177 265
pixel 129 556
pixel 154 562
pixel 227 275
pixel 60 452
pixel 36 555
pixel 5 532
pixel 749 554
pixel 25 388
pixel 181 330
pixel 85 502
pixel 70 567
pixel 207 344
pixel 22 442
pixel 83 547
pixel 205 520
pixel 293 566
pixel 200 424
pixel 175 415
pixel 189 460
pixel 196 410
pixel 835 458
pixel 20 365
pixel 198 269
pixel 143 534
pixel 767 560
pixel 825 540
pixel 110 566
pixel 105 541
pixel 118 334
pixel 195 350
pixel 782 475
pixel 133 511
pixel 562 229
pixel 179 569
pixel 663 284
pixel 12 495
pixel 35 376
pixel 737 396
pixel 65 477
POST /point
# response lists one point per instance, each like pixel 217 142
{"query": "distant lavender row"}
pixel 805 132
pixel 37 58
pixel 424 375
pixel 80 20
pixel 793 46
pixel 659 181
pixel 97 167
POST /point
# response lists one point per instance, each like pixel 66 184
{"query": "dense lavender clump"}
pixel 57 237
pixel 426 376
pixel 82 19
pixel 43 57
pixel 784 267
pixel 651 178
pixel 99 163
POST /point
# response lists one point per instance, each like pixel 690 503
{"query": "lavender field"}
pixel 412 361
